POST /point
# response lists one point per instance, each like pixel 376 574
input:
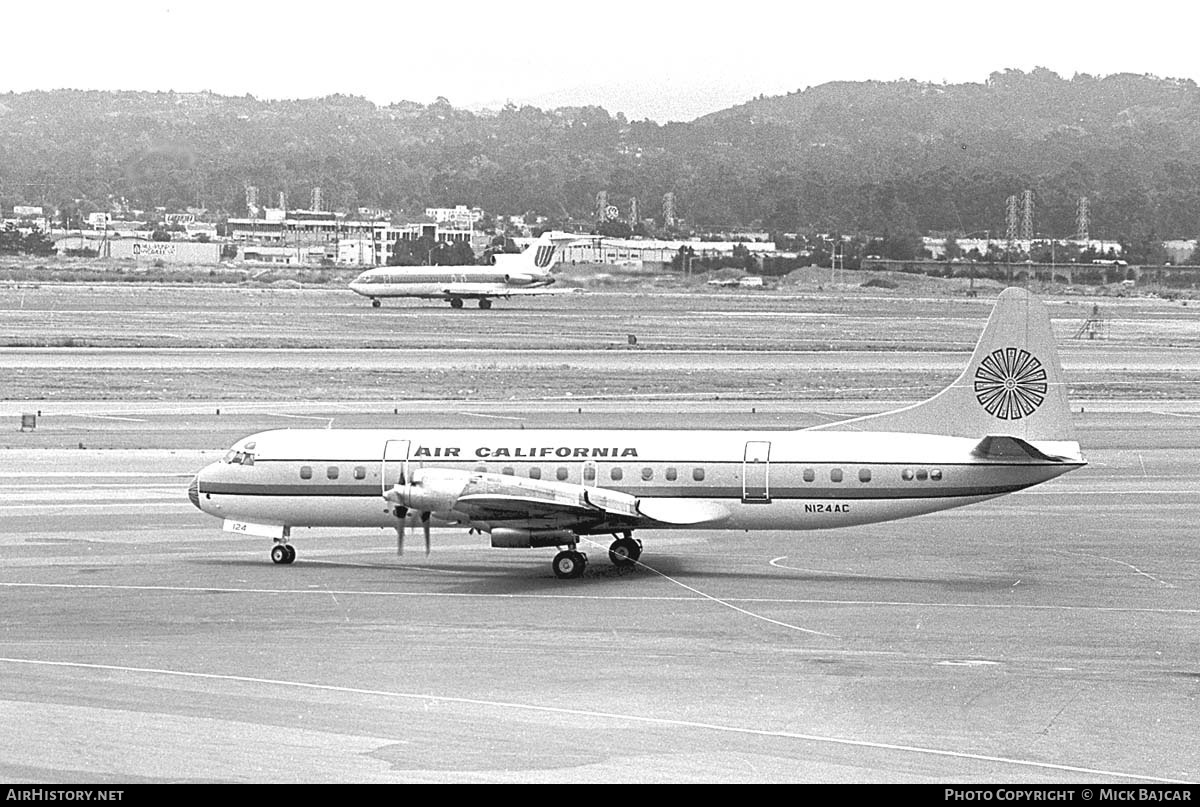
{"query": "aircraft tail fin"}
pixel 1013 386
pixel 540 256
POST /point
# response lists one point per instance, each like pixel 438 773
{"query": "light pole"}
pixel 833 245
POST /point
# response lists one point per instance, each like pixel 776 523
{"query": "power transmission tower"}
pixel 668 208
pixel 1010 232
pixel 315 201
pixel 1081 219
pixel 1027 218
pixel 633 213
pixel 601 206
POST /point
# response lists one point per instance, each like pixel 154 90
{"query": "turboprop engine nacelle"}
pixel 429 491
pixel 505 538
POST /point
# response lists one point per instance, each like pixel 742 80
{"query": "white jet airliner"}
pixel 524 274
pixel 1002 426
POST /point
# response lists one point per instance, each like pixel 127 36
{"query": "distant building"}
pixel 288 256
pixel 1179 250
pixel 937 246
pixel 167 252
pixel 460 216
pixel 594 249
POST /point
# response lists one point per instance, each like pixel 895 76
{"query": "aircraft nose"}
pixel 194 492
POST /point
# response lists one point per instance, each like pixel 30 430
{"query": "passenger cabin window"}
pixel 561 474
pixel 698 474
pixel 647 474
pixel 864 474
pixel 936 475
pixel 616 474
pixel 589 474
pixel 535 473
pixel 907 474
pixel 672 474
pixel 360 472
pixel 332 472
pixel 835 475
pixel 306 472
pixel 810 475
pixel 507 472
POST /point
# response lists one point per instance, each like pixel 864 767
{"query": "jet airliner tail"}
pixel 1012 387
pixel 539 257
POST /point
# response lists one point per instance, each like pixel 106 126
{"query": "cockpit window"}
pixel 237 456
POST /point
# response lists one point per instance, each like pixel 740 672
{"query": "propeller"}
pixel 401 513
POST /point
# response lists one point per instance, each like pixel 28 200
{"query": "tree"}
pixel 952 249
pixel 614 229
pixel 37 243
pixel 10 240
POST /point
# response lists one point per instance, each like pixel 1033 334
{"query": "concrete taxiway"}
pixel 1049 636
pixel 1045 637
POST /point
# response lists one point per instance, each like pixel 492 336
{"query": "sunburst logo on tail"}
pixel 1010 383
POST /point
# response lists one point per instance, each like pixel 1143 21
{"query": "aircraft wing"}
pixel 510 501
pixel 472 291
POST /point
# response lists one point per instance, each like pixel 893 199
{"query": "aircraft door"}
pixel 756 472
pixel 395 463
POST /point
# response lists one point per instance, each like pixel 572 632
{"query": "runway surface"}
pixel 1049 636
pixel 147 343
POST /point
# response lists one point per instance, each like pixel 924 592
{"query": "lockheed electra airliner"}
pixel 1002 426
pixel 524 274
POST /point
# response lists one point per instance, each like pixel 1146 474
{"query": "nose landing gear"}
pixel 283 553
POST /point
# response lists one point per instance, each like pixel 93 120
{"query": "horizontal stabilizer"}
pixel 679 511
pixel 1006 447
pixel 1003 447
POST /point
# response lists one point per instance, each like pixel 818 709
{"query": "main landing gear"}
pixel 283 553
pixel 375 303
pixel 485 303
pixel 571 563
pixel 456 302
pixel 625 551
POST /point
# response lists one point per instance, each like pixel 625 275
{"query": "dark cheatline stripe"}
pixel 777 494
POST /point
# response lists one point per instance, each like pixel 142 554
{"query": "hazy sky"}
pixel 664 61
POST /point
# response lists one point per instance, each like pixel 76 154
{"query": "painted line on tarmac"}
pixel 1135 569
pixel 109 417
pixel 494 417
pixel 429 698
pixel 724 602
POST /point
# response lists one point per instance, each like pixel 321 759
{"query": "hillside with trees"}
pixel 852 157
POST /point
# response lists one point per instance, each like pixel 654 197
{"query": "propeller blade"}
pixel 425 524
pixel 401 518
